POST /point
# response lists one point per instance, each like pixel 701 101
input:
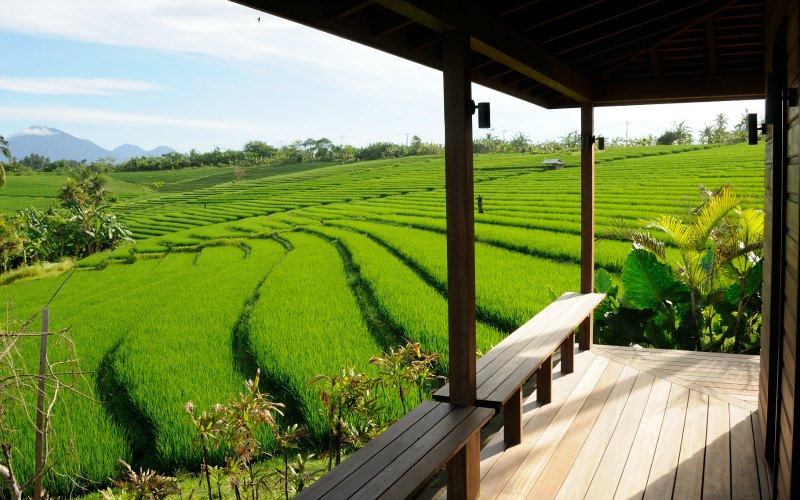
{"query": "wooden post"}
pixel 544 381
pixel 512 419
pixel 40 418
pixel 463 471
pixel 587 217
pixel 568 354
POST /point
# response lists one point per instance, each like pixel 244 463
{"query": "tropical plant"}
pixel 288 439
pixel 144 485
pixel 4 151
pixel 406 366
pixel 10 242
pixel 349 409
pixel 709 297
pixel 300 473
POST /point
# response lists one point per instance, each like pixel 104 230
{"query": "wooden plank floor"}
pixel 636 423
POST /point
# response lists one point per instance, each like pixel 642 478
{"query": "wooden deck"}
pixel 636 423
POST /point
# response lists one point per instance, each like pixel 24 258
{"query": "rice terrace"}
pixel 303 269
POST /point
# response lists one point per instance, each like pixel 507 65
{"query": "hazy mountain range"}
pixel 57 145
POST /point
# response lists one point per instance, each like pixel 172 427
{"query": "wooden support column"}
pixel 512 419
pixel 587 217
pixel 463 471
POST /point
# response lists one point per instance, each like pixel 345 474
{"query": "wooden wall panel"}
pixel 786 466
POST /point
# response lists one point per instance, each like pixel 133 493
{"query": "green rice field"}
pixel 299 270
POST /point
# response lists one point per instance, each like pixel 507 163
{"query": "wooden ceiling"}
pixel 560 53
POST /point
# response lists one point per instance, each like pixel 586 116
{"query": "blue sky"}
pixel 154 72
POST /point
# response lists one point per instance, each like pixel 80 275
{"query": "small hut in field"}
pixel 553 164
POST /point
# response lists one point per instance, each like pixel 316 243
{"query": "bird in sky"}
pixel 259 18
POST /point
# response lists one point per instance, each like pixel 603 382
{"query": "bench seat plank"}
pixel 514 360
pixel 403 458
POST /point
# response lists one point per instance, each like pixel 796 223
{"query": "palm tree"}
pixel 7 153
pixel 720 122
pixel 707 135
pixel 683 132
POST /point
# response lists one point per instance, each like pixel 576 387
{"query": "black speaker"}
pixel 484 120
pixel 752 129
pixel 601 143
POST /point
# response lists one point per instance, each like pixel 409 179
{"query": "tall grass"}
pixel 307 322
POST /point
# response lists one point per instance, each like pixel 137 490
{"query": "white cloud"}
pixel 41 131
pixel 74 86
pixel 225 30
pixel 69 114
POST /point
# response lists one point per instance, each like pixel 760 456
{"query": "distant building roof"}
pixel 553 161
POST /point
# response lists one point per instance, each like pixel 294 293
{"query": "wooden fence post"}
pixel 40 417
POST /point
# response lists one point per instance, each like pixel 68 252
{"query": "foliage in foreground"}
pixel 83 225
pixel 708 299
pixel 353 411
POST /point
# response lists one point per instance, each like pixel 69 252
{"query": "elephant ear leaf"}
pixel 649 283
pixel 602 281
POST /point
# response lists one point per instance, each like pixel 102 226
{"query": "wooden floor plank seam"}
pixel 643 447
pixel 708 391
pixel 559 465
pixel 542 414
pixel 540 451
pixel 596 443
pixel 609 472
pixel 664 468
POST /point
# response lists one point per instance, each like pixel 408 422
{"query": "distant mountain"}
pixel 58 145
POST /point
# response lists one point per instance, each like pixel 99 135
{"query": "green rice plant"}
pixel 510 287
pixel 415 308
pixel 195 351
pixel 307 322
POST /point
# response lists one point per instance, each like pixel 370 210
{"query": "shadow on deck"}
pixel 636 423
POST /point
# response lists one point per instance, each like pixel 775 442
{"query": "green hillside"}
pixel 301 269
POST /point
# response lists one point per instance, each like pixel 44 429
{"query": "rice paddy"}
pixel 303 269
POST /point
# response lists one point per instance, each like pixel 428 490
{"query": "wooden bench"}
pixel 400 462
pixel 505 368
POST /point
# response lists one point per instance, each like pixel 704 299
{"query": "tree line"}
pixel 258 152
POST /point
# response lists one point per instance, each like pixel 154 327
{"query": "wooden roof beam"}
pixel 717 7
pixel 721 87
pixel 349 11
pixel 712 46
pixel 394 29
pixel 496 40
pixel 655 62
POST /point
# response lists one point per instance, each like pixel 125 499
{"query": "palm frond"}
pixel 751 226
pixel 646 241
pixel 722 202
pixel 673 227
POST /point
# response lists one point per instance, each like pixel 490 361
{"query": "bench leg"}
pixel 464 470
pixel 544 381
pixel 586 337
pixel 512 419
pixel 568 354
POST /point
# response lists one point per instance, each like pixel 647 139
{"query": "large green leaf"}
pixel 602 281
pixel 648 282
pixel 753 282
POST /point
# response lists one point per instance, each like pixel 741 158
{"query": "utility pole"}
pixel 626 133
pixel 406 139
